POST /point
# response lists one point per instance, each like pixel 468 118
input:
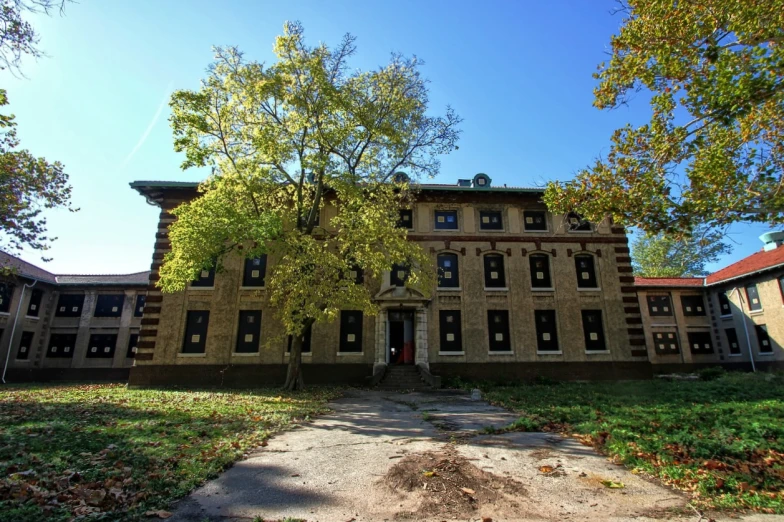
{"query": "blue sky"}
pixel 519 73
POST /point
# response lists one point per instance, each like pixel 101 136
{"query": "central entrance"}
pixel 400 335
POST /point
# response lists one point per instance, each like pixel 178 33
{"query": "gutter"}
pixel 13 328
pixel 746 329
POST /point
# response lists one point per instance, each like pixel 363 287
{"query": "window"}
pixel 357 275
pixel 206 279
pixel 540 271
pixel 351 331
pixel 491 220
pixel 666 343
pixel 448 276
pixel 763 339
pixel 753 296
pixel 6 292
pixel 693 305
pixel 101 346
pixel 498 328
pixel 446 219
pixel 724 304
pixel 450 331
pixel 534 220
pixel 61 345
pixel 593 331
pixel 305 341
pixel 546 331
pixel 659 305
pixel 494 271
pixel 732 341
pixel 399 275
pixel 586 271
pixel 196 331
pixel 781 287
pixel 406 219
pixel 138 309
pixel 25 345
pixel 109 305
pixel 133 341
pixel 34 307
pixel 249 331
pixel 576 223
pixel 255 271
pixel 700 342
pixel 70 305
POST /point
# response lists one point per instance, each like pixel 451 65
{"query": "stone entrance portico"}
pixel 397 298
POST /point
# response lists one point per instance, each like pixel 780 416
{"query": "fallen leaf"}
pixel 613 485
pixel 546 469
pixel 160 514
pixel 468 491
pixel 429 473
pixel 487 519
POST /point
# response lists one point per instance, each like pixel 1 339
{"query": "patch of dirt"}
pixel 448 485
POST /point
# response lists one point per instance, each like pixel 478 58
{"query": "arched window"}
pixel 540 271
pixel 586 271
pixel 448 276
pixel 494 271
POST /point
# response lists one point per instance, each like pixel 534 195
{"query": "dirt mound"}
pixel 450 486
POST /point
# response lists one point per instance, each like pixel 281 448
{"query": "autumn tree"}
pixel 661 255
pixel 285 140
pixel 713 150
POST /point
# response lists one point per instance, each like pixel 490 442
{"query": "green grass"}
pixel 113 453
pixel 722 441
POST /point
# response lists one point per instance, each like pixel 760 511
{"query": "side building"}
pixel 522 293
pixel 733 317
pixel 68 327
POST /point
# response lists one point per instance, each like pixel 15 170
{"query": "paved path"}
pixel 332 469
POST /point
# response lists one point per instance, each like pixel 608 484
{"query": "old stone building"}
pixel 733 317
pixel 68 327
pixel 522 293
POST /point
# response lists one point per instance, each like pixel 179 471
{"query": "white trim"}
pixel 559 352
pixel 581 231
pixel 451 353
pixel 304 354
pixel 5 313
pixel 252 287
pixel 497 289
pixel 444 289
pixel 592 352
pixel 667 325
pixel 595 289
pixel 245 354
pixel 348 354
pixel 734 355
pixel 725 317
pixel 765 354
pixel 33 317
pixel 757 312
pixel 23 360
pixel 203 354
pixel 201 288
pixel 496 352
pixel 548 289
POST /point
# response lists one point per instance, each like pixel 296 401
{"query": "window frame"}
pixel 445 346
pixel 601 337
pixel 26 342
pixel 493 331
pixel 396 281
pixel 540 332
pixel 66 339
pixel 34 303
pixel 6 296
pixel 490 214
pixel 98 341
pixel 547 277
pixel 500 281
pixel 133 345
pixel 104 304
pixel 673 338
pixel 593 276
pixel 454 272
pixel 750 298
pixel 248 269
pixel 445 214
pixel 730 341
pixel 762 339
pixel 661 297
pixel 346 329
pixel 533 214
pixel 576 228
pixel 703 335
pixel 307 342
pixel 69 313
pixel 138 305
pixel 401 221
pixel 719 296
pixel 693 313
pixel 204 282
pixel 198 347
pixel 241 346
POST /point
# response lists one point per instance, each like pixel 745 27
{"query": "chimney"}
pixel 772 240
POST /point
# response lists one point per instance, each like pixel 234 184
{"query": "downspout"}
pixel 746 330
pixel 13 328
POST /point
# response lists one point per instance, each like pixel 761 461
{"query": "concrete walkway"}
pixel 332 469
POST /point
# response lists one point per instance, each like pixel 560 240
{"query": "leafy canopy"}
pixel 713 150
pixel 660 255
pixel 283 142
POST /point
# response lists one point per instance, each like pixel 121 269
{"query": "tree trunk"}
pixel 294 379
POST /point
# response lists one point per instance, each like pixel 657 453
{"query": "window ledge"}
pixel 304 354
pixel 663 325
pixel 451 353
pixel 495 289
pixel 445 289
pixel 734 355
pixel 559 352
pixel 549 289
pixel 33 317
pixel 525 231
pixel 23 360
pixel 203 354
pixel 757 312
pixel 201 288
pixel 245 354
pixel 579 231
pixel 500 353
pixel 492 230
pixel 349 354
pixel 599 352
pixel 589 289
pixel 251 288
pixel 765 354
pixel 5 313
pixel 725 317
pixel 447 230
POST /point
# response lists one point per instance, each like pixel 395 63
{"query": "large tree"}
pixel 661 255
pixel 713 150
pixel 285 140
pixel 28 184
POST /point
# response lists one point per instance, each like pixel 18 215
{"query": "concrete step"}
pixel 402 377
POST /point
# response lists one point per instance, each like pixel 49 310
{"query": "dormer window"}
pixel 482 180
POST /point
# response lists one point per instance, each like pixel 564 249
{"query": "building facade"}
pixel 522 293
pixel 68 327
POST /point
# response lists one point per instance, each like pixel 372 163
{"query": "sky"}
pixel 518 72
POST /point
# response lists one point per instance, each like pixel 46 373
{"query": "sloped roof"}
pixel 31 271
pixel 424 186
pixel 669 281
pixel 754 263
pixel 26 269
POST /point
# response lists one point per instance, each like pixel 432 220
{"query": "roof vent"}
pixel 482 180
pixel 772 240
pixel 464 183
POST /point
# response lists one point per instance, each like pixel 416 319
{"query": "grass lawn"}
pixel 721 440
pixel 113 454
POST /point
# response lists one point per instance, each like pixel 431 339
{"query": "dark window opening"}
pixel 133 341
pixel 491 220
pixel 305 341
pixel 448 276
pixel 138 308
pixel 540 271
pixel 498 328
pixel 446 219
pixel 350 331
pixel 34 307
pixel 255 271
pixel 109 305
pixel 666 343
pixel 576 223
pixel 406 219
pixel 399 275
pixel 546 331
pixel 196 324
pixel 693 305
pixel 724 304
pixel 732 341
pixel 25 345
pixel 763 340
pixel 70 305
pixel 6 292
pixel 753 297
pixel 593 331
pixel 450 331
pixel 357 275
pixel 659 305
pixel 534 220
pixel 101 346
pixel 586 271
pixel 494 271
pixel 249 331
pixel 206 279
pixel 61 346
pixel 700 342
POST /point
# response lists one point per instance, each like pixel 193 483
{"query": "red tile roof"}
pixel 669 281
pixel 754 263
